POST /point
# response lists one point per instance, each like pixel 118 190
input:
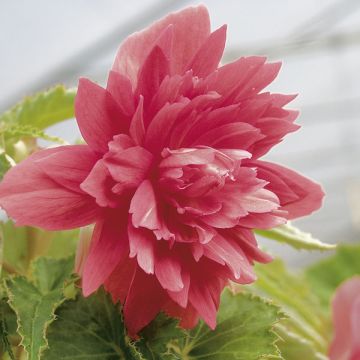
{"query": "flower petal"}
pixel 181 297
pixel 137 128
pixel 236 74
pixel 119 282
pixel 230 136
pixel 346 318
pixel 207 58
pixel 98 115
pixel 32 198
pixel 168 270
pixel 144 300
pixel 202 300
pixel 159 129
pixel 109 246
pixel 152 73
pixel 191 27
pixel 119 86
pixel 143 207
pixel 69 166
pixel 309 194
pixel 142 245
pixel 130 166
pixel 99 184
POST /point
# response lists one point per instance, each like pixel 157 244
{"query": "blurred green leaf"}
pixel 5 164
pixel 59 244
pixel 42 110
pixel 18 131
pixel 15 246
pixel 29 118
pixel 244 332
pixel 21 244
pixel 326 275
pixel 295 347
pixel 296 298
pixel 35 302
pixel 89 328
pixel 294 237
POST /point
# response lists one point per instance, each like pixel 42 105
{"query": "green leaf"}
pixel 295 347
pixel 15 246
pixel 158 338
pixel 28 119
pixel 244 332
pixel 35 302
pixel 23 243
pixel 61 243
pixel 326 275
pixel 294 237
pixel 294 295
pixel 17 131
pixel 7 328
pixel 43 109
pixel 5 164
pixel 89 328
pixel 51 274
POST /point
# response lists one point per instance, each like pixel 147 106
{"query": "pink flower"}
pixel 346 320
pixel 170 174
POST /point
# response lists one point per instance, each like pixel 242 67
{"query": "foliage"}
pixel 34 302
pixel 294 237
pixel 29 118
pixel 43 314
pixel 306 322
pixel 328 274
pixel 90 328
pixel 245 331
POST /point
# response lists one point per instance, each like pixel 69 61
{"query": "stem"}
pixel 9 268
pixel 19 353
pixel 38 243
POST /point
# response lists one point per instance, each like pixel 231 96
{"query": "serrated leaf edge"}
pixel 18 321
pixel 281 316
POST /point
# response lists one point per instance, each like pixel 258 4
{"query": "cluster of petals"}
pixel 170 173
pixel 346 321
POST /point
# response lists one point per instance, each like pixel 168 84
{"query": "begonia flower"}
pixel 346 320
pixel 170 174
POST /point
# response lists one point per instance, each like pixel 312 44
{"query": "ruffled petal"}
pixel 207 58
pixel 159 129
pixel 142 246
pixel 144 300
pixel 137 128
pixel 119 86
pixel 32 198
pixel 152 73
pixel 99 184
pixel 119 282
pixel 98 115
pixel 168 270
pixel 69 166
pixel 346 319
pixel 181 296
pixel 230 136
pixel 191 27
pixel 130 166
pixel 143 207
pixel 263 221
pixel 237 74
pixel 109 246
pixel 306 194
pixel 201 299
